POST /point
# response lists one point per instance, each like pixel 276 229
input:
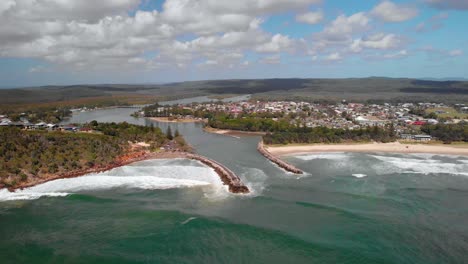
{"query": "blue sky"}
pixel 146 41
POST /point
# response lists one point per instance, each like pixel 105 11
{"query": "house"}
pixel 432 121
pixel 41 125
pixel 422 137
pixel 419 123
pixel 86 130
pixel 52 126
pixel 407 136
pixel 16 124
pixel 69 128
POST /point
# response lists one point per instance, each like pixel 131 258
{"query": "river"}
pixel 346 208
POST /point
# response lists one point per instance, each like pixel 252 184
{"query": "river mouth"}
pixel 346 208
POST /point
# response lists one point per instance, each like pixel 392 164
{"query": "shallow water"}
pixel 347 208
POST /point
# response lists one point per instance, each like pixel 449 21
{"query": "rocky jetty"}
pixel 228 177
pixel 282 164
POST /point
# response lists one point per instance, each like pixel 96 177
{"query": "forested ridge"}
pixel 25 155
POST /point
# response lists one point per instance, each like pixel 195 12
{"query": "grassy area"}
pixel 447 112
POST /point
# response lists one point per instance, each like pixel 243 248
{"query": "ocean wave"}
pixel 6 195
pixel 359 175
pixel 150 176
pixel 254 179
pixel 423 165
pixel 188 220
pixel 327 156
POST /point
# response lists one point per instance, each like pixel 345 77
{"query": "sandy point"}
pixel 176 120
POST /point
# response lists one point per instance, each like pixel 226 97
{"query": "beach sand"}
pixel 234 133
pixel 394 147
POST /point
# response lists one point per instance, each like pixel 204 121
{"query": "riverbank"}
pixel 394 147
pixel 179 120
pixel 230 132
pixel 227 176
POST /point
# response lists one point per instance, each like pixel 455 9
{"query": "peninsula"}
pixel 35 157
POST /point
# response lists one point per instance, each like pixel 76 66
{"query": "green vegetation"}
pixel 130 133
pixel 45 114
pixel 446 112
pixel 250 123
pixel 30 155
pixel 169 133
pixel 330 135
pixel 286 130
pixel 313 90
pixel 448 133
pixel 170 111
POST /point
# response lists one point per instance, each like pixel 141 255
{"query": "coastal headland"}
pixel 394 147
pixel 228 177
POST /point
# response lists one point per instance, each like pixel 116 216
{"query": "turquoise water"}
pixel 348 208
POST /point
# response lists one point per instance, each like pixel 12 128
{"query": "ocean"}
pixel 346 208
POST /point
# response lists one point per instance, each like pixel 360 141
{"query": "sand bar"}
pixel 230 132
pixel 179 120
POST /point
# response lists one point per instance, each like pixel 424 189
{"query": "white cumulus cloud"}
pixel 391 12
pixel 310 17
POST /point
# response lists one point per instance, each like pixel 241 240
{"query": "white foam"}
pixel 358 175
pixel 148 175
pixel 254 179
pixel 188 220
pixel 5 195
pixel 423 166
pixel 327 156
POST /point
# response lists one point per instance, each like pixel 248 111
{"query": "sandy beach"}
pixel 394 147
pixel 181 120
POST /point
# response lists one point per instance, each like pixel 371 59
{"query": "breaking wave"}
pixel 327 156
pixel 359 175
pixel 148 175
pixel 425 165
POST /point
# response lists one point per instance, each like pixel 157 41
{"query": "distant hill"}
pixel 355 89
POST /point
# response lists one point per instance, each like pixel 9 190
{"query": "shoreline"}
pixel 394 147
pixel 226 176
pixel 119 162
pixel 181 120
pixel 230 132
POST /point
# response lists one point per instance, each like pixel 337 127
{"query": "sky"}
pixel 53 42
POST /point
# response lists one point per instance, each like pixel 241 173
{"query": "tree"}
pixel 169 133
pixel 176 133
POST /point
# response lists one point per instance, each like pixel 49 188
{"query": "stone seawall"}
pixel 282 164
pixel 228 177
